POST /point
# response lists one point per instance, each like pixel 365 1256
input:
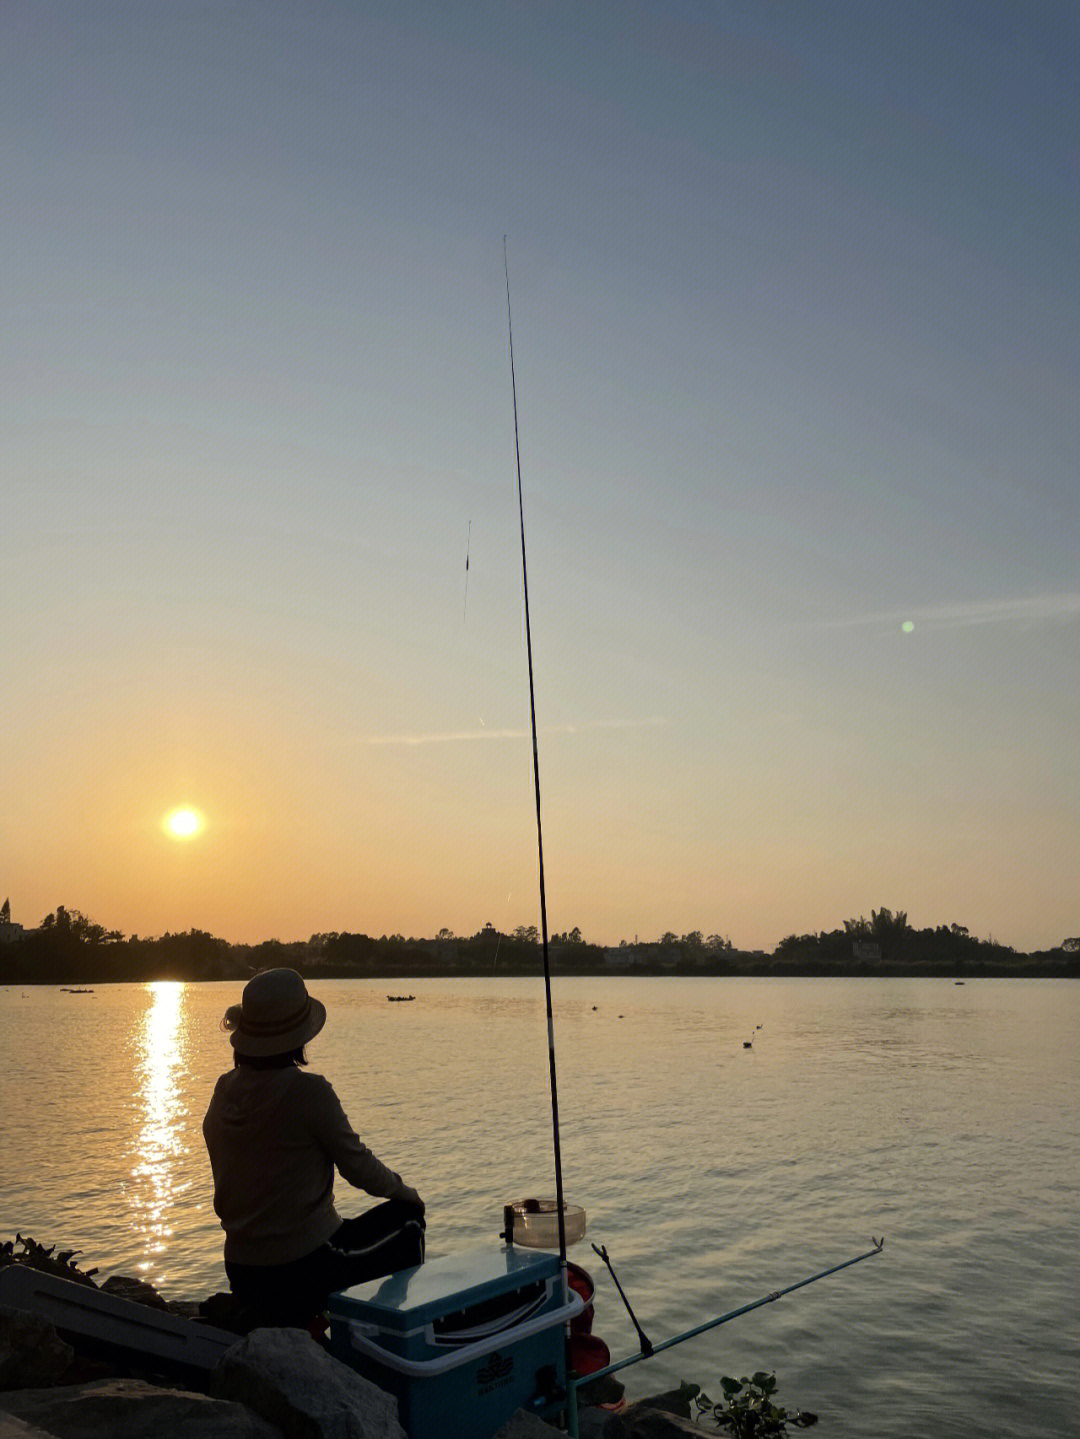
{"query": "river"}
pixel 941 1116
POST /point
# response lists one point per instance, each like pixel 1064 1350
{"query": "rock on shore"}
pixel 283 1375
pixel 273 1384
pixel 133 1409
pixel 32 1354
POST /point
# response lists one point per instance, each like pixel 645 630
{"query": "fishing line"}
pixel 468 547
pixel 559 1206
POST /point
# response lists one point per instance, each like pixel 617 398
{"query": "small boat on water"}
pixel 400 998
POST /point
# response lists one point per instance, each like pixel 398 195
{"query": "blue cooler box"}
pixel 461 1341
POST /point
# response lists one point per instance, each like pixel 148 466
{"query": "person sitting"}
pixel 275 1135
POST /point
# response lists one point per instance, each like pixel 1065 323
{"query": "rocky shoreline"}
pixel 272 1384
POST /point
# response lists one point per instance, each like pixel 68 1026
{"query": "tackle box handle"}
pixel 430 1368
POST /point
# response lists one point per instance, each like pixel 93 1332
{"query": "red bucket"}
pixel 581 1283
pixel 588 1354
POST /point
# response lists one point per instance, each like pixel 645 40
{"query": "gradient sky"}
pixel 797 328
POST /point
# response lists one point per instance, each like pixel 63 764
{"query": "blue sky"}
pixel 795 307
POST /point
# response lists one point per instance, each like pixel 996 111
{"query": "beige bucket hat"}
pixel 275 1014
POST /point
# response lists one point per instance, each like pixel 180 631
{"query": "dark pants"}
pixel 382 1241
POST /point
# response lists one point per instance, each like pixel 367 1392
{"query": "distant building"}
pixel 8 930
pixel 622 957
pixel 865 949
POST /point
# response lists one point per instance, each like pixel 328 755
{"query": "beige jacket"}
pixel 274 1137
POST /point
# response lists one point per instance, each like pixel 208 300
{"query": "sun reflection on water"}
pixel 159 1144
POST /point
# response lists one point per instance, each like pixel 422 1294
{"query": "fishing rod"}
pixel 559 1205
pixel 648 1349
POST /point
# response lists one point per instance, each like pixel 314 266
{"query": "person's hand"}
pixel 410 1196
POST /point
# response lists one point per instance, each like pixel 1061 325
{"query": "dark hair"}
pixel 269 1061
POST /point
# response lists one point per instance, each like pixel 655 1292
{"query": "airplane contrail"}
pixel 1036 609
pixel 464 736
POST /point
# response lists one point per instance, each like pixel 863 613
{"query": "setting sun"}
pixel 183 823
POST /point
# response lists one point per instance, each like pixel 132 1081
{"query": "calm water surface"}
pixel 943 1117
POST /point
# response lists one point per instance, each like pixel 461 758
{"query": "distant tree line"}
pixel 70 948
pixel 886 944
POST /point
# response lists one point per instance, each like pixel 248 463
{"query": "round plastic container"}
pixel 536 1223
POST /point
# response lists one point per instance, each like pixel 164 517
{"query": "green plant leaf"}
pixel 747 1410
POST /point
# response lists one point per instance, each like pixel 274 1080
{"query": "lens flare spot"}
pixel 183 823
